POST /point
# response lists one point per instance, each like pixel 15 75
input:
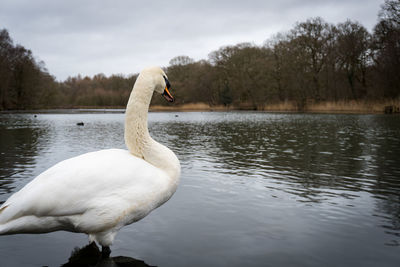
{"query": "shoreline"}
pixel 340 107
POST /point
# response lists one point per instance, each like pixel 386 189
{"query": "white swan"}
pixel 100 192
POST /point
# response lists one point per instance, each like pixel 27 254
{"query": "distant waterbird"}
pixel 98 193
pixel 80 123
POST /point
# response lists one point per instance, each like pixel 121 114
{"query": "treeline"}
pixel 315 61
pixel 24 82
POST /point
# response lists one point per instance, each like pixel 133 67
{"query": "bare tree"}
pixel 311 39
pixel 352 52
pixel 386 46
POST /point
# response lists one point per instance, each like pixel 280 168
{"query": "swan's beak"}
pixel 167 95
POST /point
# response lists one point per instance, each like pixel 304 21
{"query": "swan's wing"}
pixel 103 183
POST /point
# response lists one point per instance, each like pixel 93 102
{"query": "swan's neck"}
pixel 137 137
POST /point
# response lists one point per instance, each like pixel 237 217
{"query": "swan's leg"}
pixel 105 239
pixel 105 251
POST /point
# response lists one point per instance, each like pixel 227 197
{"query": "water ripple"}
pixel 252 183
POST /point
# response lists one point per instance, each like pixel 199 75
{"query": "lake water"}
pixel 257 189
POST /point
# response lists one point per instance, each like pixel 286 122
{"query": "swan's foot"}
pixel 105 252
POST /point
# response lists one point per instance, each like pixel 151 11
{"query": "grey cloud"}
pixel 90 37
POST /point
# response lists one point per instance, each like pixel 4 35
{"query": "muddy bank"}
pixel 362 107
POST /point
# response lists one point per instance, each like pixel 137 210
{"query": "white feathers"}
pixel 98 193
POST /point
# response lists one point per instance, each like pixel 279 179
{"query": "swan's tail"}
pixel 3 208
pixel 8 225
pixel 3 222
pixel 9 228
pixel 3 229
pixel 28 224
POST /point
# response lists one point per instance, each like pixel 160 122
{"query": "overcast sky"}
pixel 120 36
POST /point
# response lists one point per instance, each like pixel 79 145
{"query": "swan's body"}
pixel 97 193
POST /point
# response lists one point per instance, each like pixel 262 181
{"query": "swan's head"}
pixel 161 83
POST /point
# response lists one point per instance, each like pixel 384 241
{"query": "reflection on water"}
pixel 17 138
pixel 257 189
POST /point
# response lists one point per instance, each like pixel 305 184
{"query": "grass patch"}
pixel 360 107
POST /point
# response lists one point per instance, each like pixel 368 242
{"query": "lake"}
pixel 257 189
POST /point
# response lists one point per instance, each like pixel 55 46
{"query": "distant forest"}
pixel 313 62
